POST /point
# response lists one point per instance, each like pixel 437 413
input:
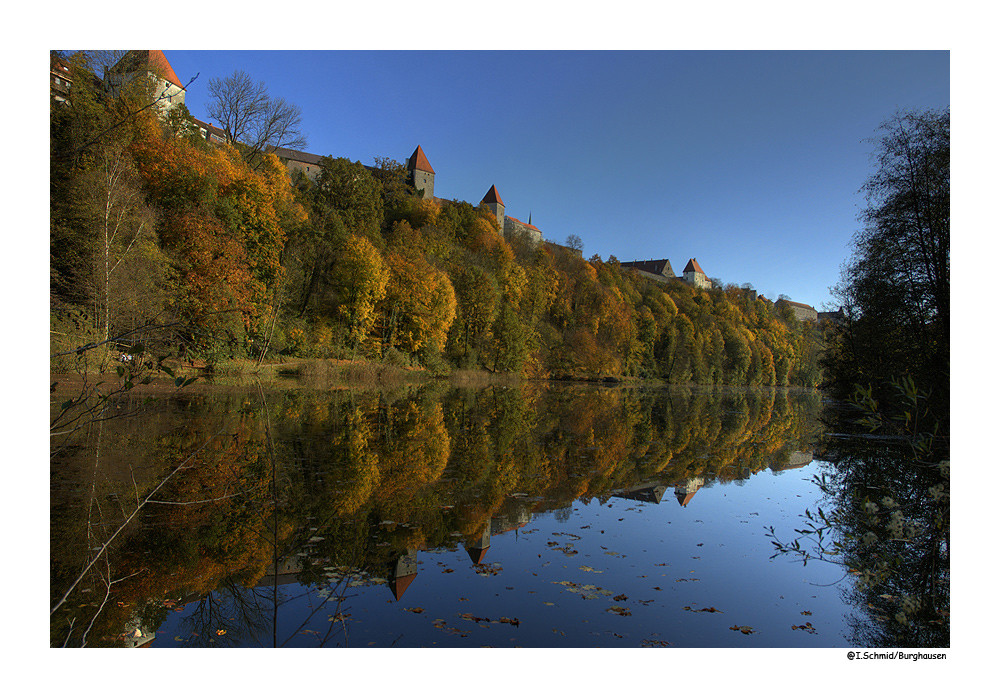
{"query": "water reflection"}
pixel 887 522
pixel 212 502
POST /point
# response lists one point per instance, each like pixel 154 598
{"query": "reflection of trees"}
pixel 176 506
pixel 362 477
pixel 891 514
pixel 887 519
pixel 229 616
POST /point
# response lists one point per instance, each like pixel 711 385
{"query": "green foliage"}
pixel 349 190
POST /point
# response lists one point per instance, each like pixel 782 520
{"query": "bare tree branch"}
pixel 251 119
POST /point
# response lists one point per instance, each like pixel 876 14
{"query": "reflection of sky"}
pixel 711 554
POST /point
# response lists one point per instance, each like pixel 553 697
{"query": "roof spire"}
pixel 492 197
pixel 418 161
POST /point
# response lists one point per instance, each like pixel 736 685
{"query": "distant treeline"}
pixel 163 239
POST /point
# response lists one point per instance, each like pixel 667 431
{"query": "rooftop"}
pixel 492 197
pixel 418 161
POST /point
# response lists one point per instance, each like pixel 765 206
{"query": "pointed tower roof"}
pixel 477 555
pixel 693 265
pixel 154 61
pixel 399 585
pixel 684 497
pixel 492 197
pixel 418 161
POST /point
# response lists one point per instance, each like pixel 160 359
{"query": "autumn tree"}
pixel 477 296
pixel 419 306
pixel 361 277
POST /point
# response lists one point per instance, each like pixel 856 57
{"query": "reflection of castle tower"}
pixel 686 491
pixel 421 173
pixel 477 548
pixel 403 574
pixel 516 515
pixel 494 203
pixel 645 493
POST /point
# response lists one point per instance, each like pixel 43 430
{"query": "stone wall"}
pixel 424 180
pixel 513 228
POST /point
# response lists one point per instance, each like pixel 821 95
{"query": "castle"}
pixel 661 270
pixel 421 176
pixel 419 171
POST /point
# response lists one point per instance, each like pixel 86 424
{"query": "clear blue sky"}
pixel 749 161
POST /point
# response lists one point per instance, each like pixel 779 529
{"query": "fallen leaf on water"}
pixel 416 609
pixel 710 609
pixel 619 610
pixel 621 597
pixel 808 627
pixel 220 632
pixel 587 568
pixel 745 629
pixel 807 613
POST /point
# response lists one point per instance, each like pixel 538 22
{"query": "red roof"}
pixel 684 499
pixel 418 161
pixel 154 61
pixel 477 554
pixel 529 226
pixel 400 584
pixel 492 197
pixel 693 265
pixel 650 266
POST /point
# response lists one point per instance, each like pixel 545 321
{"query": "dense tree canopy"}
pixel 895 289
pixel 352 264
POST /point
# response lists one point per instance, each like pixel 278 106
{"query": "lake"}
pixel 529 515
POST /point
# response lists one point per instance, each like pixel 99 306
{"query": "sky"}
pixel 749 161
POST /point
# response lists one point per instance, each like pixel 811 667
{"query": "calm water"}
pixel 532 516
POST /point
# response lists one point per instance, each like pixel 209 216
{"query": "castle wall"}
pixel 697 279
pixel 424 180
pixel 513 228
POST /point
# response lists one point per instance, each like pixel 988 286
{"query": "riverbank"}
pixel 324 373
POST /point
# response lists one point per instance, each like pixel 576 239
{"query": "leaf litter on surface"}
pixel 710 609
pixel 477 619
pixel 655 643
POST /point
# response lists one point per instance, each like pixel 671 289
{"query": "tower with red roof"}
pixel 168 90
pixel 421 173
pixel 695 275
pixel 494 203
